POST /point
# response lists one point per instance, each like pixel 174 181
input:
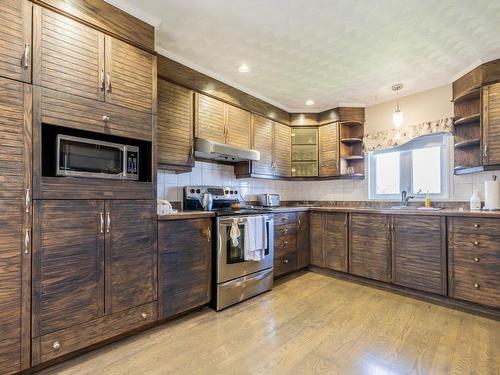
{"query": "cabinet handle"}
pixel 476 225
pixel 476 259
pixel 285 260
pixel 485 151
pixel 102 84
pixel 209 234
pixel 26 241
pixel 298 223
pixel 192 150
pixel 109 88
pixel 28 200
pixel 26 57
pixel 144 316
pixel 477 286
pixel 105 118
pixel 108 224
pixel 56 345
pixel 476 243
pixel 285 230
pixel 101 215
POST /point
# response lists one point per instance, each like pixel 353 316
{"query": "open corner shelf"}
pixel 475 118
pixel 468 95
pixel 468 143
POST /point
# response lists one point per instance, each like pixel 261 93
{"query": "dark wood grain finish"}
pixel 130 257
pixel 210 118
pixel 190 78
pixel 284 218
pixel 369 246
pixel 95 331
pixel 11 250
pixel 129 76
pixel 15 40
pixel 329 150
pixel 238 127
pixel 107 18
pixel 468 82
pixel 352 114
pixel 317 239
pixel 184 250
pixel 175 126
pixel 68 56
pixel 419 253
pixel 68 264
pixel 282 149
pixel 58 108
pixel 303 239
pixel 491 124
pixel 304 119
pixel 335 241
pixel 476 226
pixel 263 130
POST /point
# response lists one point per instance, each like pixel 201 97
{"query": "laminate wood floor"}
pixel 310 324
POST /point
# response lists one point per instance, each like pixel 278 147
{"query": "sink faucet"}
pixel 405 198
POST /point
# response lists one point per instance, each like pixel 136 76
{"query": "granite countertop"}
pixel 180 215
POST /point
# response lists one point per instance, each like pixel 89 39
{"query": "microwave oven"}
pixel 85 157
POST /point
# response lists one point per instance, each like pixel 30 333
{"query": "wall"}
pixel 428 105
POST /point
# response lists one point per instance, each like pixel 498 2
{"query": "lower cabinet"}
pixel 91 259
pixel 370 246
pixel 184 250
pixel 285 243
pixel 303 239
pixel 329 240
pixel 419 252
pixel 317 231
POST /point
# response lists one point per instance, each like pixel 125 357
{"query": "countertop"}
pixel 181 215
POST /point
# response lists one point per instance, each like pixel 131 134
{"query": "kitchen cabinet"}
pixel 303 239
pixel 78 60
pixel 329 150
pixel 329 240
pixel 317 239
pixel 263 139
pixel 15 40
pixel 419 252
pixel 184 250
pixel 491 124
pixel 370 246
pixel 285 243
pixel 221 122
pixel 174 135
pixel 474 260
pixel 282 148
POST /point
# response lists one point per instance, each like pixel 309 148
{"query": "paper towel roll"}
pixel 492 195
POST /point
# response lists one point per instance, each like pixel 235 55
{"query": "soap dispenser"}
pixel 475 201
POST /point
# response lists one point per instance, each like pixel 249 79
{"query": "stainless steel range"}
pixel 234 278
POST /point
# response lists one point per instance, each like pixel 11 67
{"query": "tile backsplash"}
pixel 170 185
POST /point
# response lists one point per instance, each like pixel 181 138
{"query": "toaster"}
pixel 269 200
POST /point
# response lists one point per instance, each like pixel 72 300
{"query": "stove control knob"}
pixel 231 192
pixel 191 191
pixel 226 192
pixel 236 192
pixel 197 191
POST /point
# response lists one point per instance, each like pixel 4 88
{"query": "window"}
pixel 421 166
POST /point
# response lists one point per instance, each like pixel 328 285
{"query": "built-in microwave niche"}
pixel 49 149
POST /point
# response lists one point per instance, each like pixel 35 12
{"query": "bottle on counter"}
pixel 475 201
pixel 428 201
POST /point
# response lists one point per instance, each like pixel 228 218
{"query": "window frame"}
pixel 443 140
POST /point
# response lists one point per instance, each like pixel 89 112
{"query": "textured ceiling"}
pixel 334 52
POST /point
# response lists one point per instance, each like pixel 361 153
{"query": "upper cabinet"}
pixel 263 131
pixel 15 39
pixel 282 148
pixel 175 127
pixel 329 150
pixel 221 122
pixel 491 124
pixel 78 60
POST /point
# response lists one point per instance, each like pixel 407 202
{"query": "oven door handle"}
pixel 249 278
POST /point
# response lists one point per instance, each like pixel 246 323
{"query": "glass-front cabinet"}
pixel 304 152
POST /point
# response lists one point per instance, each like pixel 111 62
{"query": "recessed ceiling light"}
pixel 309 102
pixel 244 68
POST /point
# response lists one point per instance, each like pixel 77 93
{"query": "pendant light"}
pixel 397 116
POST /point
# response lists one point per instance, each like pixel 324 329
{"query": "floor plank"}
pixel 310 324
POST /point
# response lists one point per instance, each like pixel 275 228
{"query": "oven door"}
pixel 82 157
pixel 230 259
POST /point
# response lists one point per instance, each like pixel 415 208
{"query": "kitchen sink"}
pixel 409 208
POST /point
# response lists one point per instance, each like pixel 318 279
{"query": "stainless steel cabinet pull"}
pixel 476 225
pixel 56 345
pixel 285 260
pixel 101 216
pixel 28 199
pixel 26 241
pixel 108 224
pixel 102 81
pixel 108 84
pixel 144 315
pixel 26 57
pixel 105 118
pixel 298 223
pixel 476 243
pixel 209 235
pixel 477 286
pixel 476 259
pixel 485 153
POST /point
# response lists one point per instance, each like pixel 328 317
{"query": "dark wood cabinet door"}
pixel 329 150
pixel 15 140
pixel 184 248
pixel 317 239
pixel 15 40
pixel 282 148
pixel 238 127
pixel 67 56
pixel 419 253
pixel 303 245
pixel 369 246
pixel 210 118
pixel 68 264
pixel 491 124
pixel 335 243
pixel 263 142
pixel 175 125
pixel 130 76
pixel 11 268
pixel 131 260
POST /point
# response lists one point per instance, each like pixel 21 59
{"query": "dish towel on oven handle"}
pixel 255 238
pixel 235 232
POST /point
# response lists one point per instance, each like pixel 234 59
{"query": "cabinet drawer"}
pixel 71 339
pixel 86 114
pixel 285 244
pixel 285 263
pixel 471 285
pixel 285 230
pixel 285 218
pixel 478 252
pixel 476 225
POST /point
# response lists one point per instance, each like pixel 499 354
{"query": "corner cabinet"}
pixel 185 264
pixel 491 124
pixel 329 164
pixel 282 150
pixel 329 240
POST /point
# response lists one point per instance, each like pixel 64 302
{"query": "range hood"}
pixel 219 151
